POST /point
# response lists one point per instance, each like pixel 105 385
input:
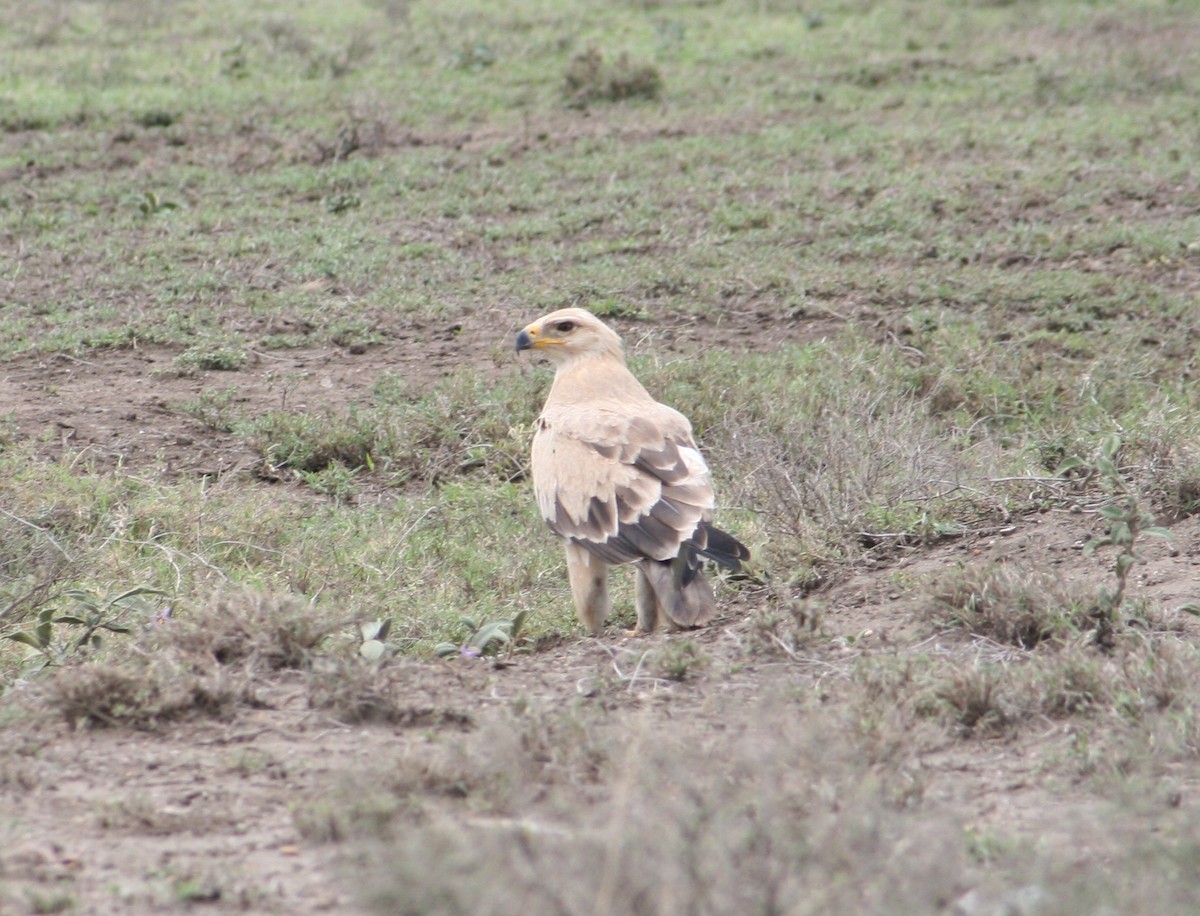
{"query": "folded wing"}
pixel 625 488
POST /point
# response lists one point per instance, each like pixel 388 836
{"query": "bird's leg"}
pixel 648 611
pixel 589 587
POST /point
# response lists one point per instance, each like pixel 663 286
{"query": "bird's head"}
pixel 570 334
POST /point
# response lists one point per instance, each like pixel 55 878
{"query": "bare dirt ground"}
pixel 121 821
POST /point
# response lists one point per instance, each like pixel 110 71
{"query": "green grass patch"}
pixel 1014 280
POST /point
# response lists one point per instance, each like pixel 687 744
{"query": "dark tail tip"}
pixel 723 548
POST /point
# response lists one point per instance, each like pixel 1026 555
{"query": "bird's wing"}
pixel 625 486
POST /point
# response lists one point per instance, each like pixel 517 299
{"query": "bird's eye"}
pixel 566 327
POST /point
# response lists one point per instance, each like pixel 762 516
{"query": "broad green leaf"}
pixel 139 590
pixel 1070 464
pixel 496 631
pixel 518 623
pixel 74 621
pixel 27 639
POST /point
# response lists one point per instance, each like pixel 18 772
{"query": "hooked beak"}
pixel 530 338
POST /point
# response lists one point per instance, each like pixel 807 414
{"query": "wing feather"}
pixel 624 487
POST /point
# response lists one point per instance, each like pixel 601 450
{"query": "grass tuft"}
pixel 787 834
pixel 214 358
pixel 1008 603
pixel 203 662
pixel 784 627
pixel 356 691
pixel 593 76
pixel 143 696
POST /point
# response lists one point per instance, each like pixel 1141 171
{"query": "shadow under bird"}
pixel 619 477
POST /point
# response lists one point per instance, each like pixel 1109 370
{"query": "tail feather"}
pixel 723 548
pixel 681 591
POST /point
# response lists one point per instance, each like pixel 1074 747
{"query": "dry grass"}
pixel 1143 686
pixel 203 662
pixel 356 691
pixel 837 457
pixel 889 314
pixel 142 696
pixel 763 818
pixel 783 627
pixel 255 630
pixel 1013 604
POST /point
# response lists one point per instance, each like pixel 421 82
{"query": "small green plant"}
pixel 95 611
pixel 1127 521
pixel 150 204
pixel 234 63
pixel 216 409
pixel 486 639
pixel 51 902
pixel 306 443
pixel 473 55
pixel 614 307
pixel 210 358
pixel 335 480
pixel 340 203
pixel 985 846
pixel 679 659
pixel 93 614
pixel 251 761
pixel 193 890
pixel 156 117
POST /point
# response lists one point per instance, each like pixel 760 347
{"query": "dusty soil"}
pixel 134 822
pixel 122 821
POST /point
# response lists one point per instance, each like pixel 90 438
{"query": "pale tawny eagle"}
pixel 619 477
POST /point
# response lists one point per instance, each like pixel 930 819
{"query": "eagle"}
pixel 619 478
